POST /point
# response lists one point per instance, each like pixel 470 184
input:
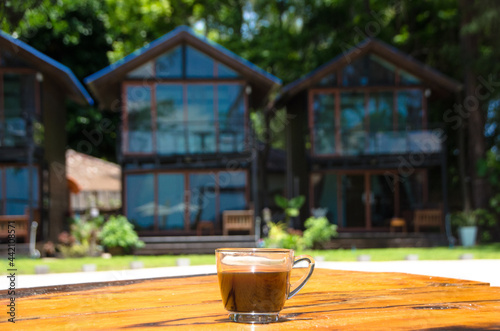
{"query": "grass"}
pixel 491 251
pixel 27 266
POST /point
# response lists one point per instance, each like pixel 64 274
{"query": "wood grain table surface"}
pixel 331 300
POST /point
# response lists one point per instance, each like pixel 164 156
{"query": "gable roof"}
pixel 107 80
pixel 48 66
pixel 432 77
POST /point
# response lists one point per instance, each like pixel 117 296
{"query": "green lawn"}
pixel 27 266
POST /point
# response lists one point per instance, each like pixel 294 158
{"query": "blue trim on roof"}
pixel 171 34
pixel 52 62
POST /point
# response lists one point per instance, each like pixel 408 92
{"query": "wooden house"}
pixel 362 145
pixel 33 92
pixel 186 147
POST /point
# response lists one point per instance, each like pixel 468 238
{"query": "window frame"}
pixel 152 84
pixel 187 196
pixel 37 99
pixel 336 91
pixel 3 186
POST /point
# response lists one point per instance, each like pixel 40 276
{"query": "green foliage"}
pixel 318 232
pixel 489 167
pixel 86 231
pixel 75 250
pixel 278 237
pixel 464 218
pixel 290 207
pixel 119 232
pixel 82 239
pixel 478 217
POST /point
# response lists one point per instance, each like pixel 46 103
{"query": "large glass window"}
pixel 171 204
pixel 183 62
pixel 369 124
pixel 380 111
pixel 368 71
pixel 348 197
pixel 18 99
pixel 324 123
pixel 140 132
pixel 224 72
pixel 352 115
pixel 382 200
pixel 381 123
pixel 170 129
pixel 140 197
pixel 190 118
pixel 157 201
pixel 231 111
pixel 169 65
pixel 353 200
pixel 329 80
pixel 411 190
pixel 410 109
pixel 232 192
pixel 201 118
pixel 198 65
pixel 325 194
pixel 144 71
pixel 202 198
pixel 15 182
pixel 408 79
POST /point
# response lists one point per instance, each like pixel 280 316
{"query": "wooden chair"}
pixel 237 220
pixel 20 226
pixel 428 218
pixel 397 222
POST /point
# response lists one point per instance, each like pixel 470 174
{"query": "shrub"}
pixel 318 232
pixel 118 232
pixel 82 239
pixel 278 237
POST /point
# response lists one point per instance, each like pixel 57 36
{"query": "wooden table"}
pixel 339 300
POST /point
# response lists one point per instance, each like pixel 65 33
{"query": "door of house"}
pixel 353 198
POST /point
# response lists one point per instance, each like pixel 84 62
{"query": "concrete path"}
pixel 478 270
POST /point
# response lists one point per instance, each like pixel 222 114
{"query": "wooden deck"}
pixel 193 244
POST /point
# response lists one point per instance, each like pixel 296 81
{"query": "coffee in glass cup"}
pixel 255 283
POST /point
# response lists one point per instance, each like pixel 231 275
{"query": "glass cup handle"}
pixel 304 278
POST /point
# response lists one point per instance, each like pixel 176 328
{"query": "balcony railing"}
pixel 359 142
pixel 191 137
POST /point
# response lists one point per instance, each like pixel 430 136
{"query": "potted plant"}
pixel 119 237
pixel 466 222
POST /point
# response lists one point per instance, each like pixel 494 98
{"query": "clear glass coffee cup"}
pixel 255 282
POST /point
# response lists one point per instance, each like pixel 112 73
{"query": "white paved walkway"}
pixel 478 270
